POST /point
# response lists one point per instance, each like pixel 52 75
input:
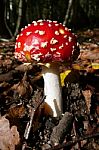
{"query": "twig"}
pixel 18 20
pixel 75 133
pixel 71 143
pixel 29 124
pixel 64 127
pixel 68 12
pixel 28 128
pixel 17 24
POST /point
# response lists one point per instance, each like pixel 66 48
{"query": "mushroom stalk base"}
pixel 52 89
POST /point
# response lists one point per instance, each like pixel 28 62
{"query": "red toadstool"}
pixel 47 42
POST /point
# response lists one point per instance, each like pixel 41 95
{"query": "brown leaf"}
pixel 87 94
pixel 23 88
pixel 92 55
pixel 16 112
pixel 24 67
pixel 8 137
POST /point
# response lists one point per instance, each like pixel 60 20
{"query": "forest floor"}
pixel 24 120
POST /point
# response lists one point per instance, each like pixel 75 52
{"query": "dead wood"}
pixel 68 12
pixel 30 123
pixel 64 127
pixel 72 143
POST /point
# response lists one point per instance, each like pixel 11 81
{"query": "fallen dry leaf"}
pixel 87 54
pixel 87 94
pixel 8 137
pixel 23 88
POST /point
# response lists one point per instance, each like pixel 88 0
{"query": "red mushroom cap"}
pixel 45 41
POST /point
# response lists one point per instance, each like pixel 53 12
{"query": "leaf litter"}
pixel 24 121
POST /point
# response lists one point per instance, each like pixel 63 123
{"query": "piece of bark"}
pixel 64 127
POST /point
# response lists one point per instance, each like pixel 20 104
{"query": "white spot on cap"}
pixel 66 29
pixel 53 41
pixel 53 49
pixel 65 36
pixel 15 53
pixel 19 44
pixel 18 55
pixel 60 47
pixel 25 27
pixel 15 46
pixel 35 42
pixel 35 23
pixel 28 33
pixel 58 53
pixel 41 23
pixel 49 21
pixel 44 44
pixel 22 29
pixel 55 21
pixel 70 39
pixel 27 47
pixel 36 31
pixel 29 24
pixel 48 55
pixel 21 34
pixel 40 20
pixel 41 32
pixel 17 37
pixel 36 56
pixel 61 31
pixel 66 43
pixel 49 25
pixel 22 52
pixel 56 24
pixel 56 33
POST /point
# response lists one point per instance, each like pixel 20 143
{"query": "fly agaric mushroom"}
pixel 47 42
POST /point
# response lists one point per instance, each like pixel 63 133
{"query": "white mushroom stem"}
pixel 52 89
